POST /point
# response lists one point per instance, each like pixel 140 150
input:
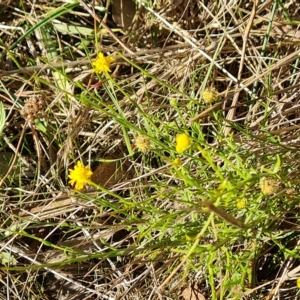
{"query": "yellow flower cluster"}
pixel 102 63
pixel 80 176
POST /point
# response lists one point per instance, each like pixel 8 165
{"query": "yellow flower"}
pixel 183 142
pixel 80 175
pixel 241 204
pixel 298 283
pixel 176 162
pixel 102 63
pixel 210 95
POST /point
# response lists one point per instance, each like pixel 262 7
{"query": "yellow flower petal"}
pixel 183 142
pixel 102 63
pixel 80 175
pixel 298 283
pixel 176 162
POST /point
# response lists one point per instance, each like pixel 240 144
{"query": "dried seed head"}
pixel 142 143
pixel 33 109
pixel 269 186
pixel 210 95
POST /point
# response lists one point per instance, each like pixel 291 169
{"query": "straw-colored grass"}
pixel 211 214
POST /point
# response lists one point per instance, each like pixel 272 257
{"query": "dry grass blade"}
pixel 78 286
pixel 193 43
pixel 231 114
pixel 95 16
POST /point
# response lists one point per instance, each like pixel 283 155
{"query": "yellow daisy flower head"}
pixel 102 63
pixel 183 142
pixel 210 95
pixel 80 175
